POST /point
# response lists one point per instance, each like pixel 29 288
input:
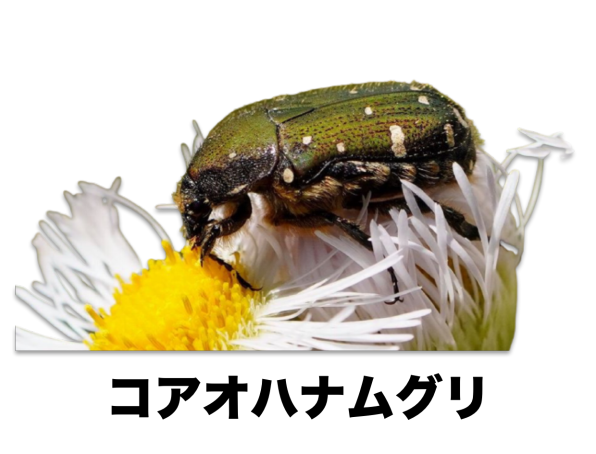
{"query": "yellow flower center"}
pixel 175 304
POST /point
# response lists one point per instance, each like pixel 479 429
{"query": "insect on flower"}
pixel 313 154
pixel 320 292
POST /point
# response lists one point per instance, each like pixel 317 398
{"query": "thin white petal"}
pixel 166 206
pixel 337 335
pixel 67 317
pixel 199 138
pixel 186 155
pixel 552 141
pixel 534 195
pixel 466 188
pixel 492 254
pixel 137 210
pixel 421 194
pixel 28 341
pixel 540 152
pixel 293 301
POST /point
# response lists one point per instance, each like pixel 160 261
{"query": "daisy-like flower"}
pixel 321 291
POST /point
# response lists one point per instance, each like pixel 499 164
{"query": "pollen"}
pixel 176 304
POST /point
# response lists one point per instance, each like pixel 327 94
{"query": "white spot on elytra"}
pixel 232 155
pixel 368 110
pixel 288 176
pixel 353 91
pixel 397 139
pixel 460 118
pixel 306 140
pixel 450 137
pixel 341 147
pixel 423 100
pixel 415 86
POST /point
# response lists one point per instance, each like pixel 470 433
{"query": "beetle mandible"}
pixel 311 154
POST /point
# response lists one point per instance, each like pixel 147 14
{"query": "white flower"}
pixel 319 292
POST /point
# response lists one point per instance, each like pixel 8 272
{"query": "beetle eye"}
pixel 194 208
pixel 197 209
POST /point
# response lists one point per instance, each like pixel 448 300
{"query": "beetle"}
pixel 313 153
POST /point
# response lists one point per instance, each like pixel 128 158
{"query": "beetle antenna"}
pixel 186 154
pixel 196 144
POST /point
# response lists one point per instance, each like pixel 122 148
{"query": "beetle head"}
pixel 194 207
pixel 238 156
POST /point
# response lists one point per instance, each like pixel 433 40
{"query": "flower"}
pixel 319 291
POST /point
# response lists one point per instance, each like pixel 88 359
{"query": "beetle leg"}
pixel 454 218
pixel 323 218
pixel 362 238
pixel 216 229
pixel 348 227
pixel 458 222
pixel 207 240
pixel 243 282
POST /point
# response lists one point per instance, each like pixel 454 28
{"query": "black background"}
pixel 122 106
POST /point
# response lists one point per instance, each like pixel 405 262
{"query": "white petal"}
pixel 166 206
pixel 541 151
pixel 552 141
pixel 26 340
pixel 79 257
pixel 186 154
pixel 336 335
pixel 468 193
pixel 199 138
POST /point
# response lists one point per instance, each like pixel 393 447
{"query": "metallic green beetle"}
pixel 314 153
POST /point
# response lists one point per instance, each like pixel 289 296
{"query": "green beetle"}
pixel 314 153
